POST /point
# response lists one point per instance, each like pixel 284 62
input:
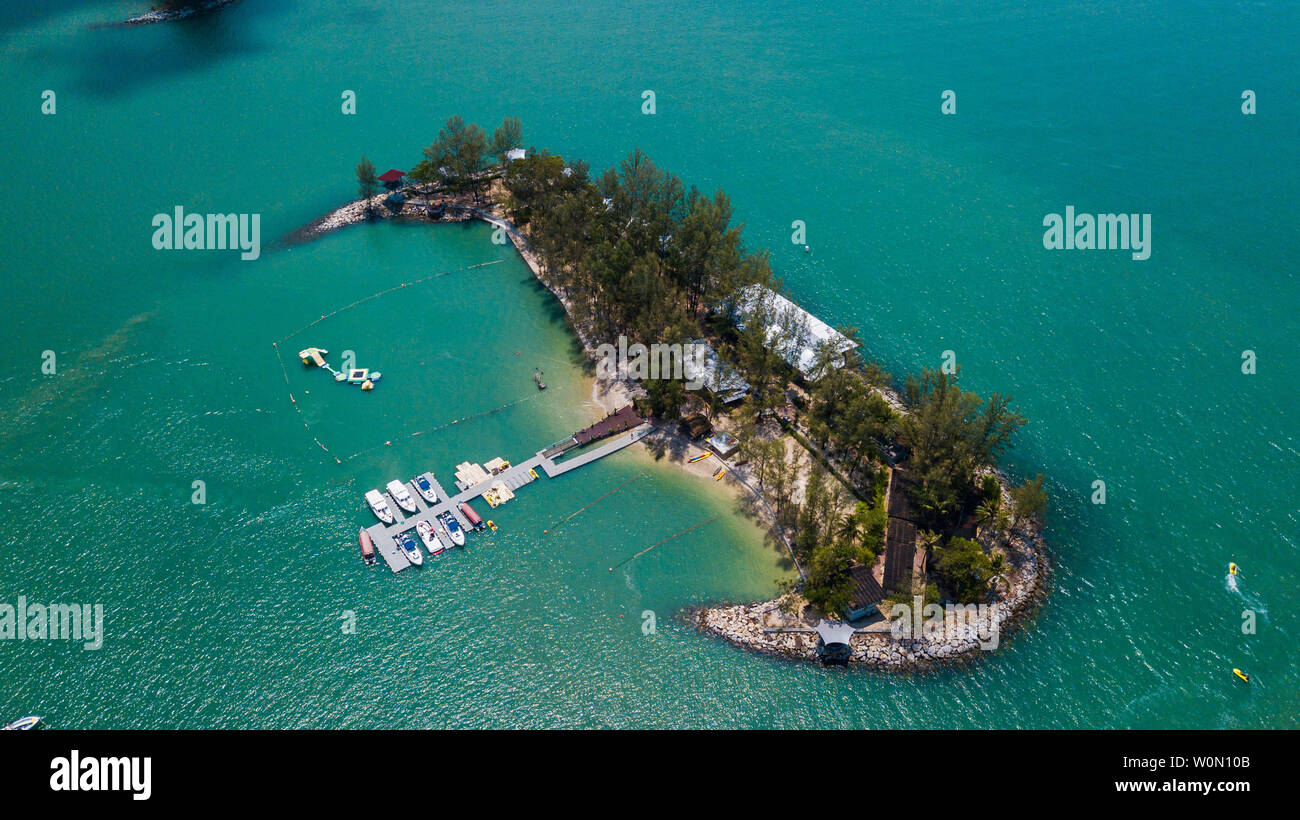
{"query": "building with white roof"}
pixel 703 367
pixel 793 332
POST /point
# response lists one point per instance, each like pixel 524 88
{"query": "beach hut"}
pixel 866 595
pixel 696 426
pixel 392 178
pixel 722 443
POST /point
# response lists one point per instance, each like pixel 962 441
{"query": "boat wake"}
pixel 1254 602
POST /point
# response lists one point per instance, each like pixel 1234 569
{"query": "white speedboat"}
pixel 402 496
pixel 379 506
pixel 452 526
pixel 431 542
pixel 409 549
pixel 22 724
pixel 425 489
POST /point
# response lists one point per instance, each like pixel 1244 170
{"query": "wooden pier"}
pixel 514 477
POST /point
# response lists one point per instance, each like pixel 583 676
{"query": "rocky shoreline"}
pixel 782 627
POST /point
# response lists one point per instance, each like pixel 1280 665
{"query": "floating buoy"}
pixel 806 249
pixel 1241 675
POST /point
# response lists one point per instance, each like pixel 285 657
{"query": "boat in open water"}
pixel 409 549
pixel 402 496
pixel 425 489
pixel 379 506
pixel 22 724
pixel 427 535
pixel 453 528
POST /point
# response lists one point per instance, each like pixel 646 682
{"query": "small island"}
pixel 907 546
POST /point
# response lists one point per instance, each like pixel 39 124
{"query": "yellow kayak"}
pixel 1241 675
pixel 1232 568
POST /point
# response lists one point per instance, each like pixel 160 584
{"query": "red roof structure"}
pixel 392 175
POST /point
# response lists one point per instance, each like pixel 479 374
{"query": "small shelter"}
pixel 392 178
pixel 833 641
pixel 722 443
pixel 696 426
pixel 867 593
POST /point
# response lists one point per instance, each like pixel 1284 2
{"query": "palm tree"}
pixel 986 514
pixel 998 568
pixel 928 539
pixel 851 528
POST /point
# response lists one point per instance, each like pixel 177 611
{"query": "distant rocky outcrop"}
pixel 171 12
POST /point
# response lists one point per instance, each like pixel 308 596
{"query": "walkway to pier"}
pixel 516 476
pixel 626 418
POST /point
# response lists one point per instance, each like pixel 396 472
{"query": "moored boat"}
pixel 379 506
pixel 367 547
pixel 471 516
pixel 453 528
pixel 402 496
pixel 431 542
pixel 409 549
pixel 425 489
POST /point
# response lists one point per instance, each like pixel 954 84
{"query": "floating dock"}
pixel 513 477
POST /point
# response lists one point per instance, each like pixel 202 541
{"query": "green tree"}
pixel 367 182
pixel 965 568
pixel 455 158
pixel 664 397
pixel 1030 500
pixel 508 136
pixel 829 586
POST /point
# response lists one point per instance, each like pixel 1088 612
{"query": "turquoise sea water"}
pixel 925 233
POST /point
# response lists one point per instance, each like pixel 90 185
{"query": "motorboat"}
pixel 427 535
pixel 409 549
pixel 425 488
pixel 402 496
pixel 379 506
pixel 22 724
pixel 453 528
